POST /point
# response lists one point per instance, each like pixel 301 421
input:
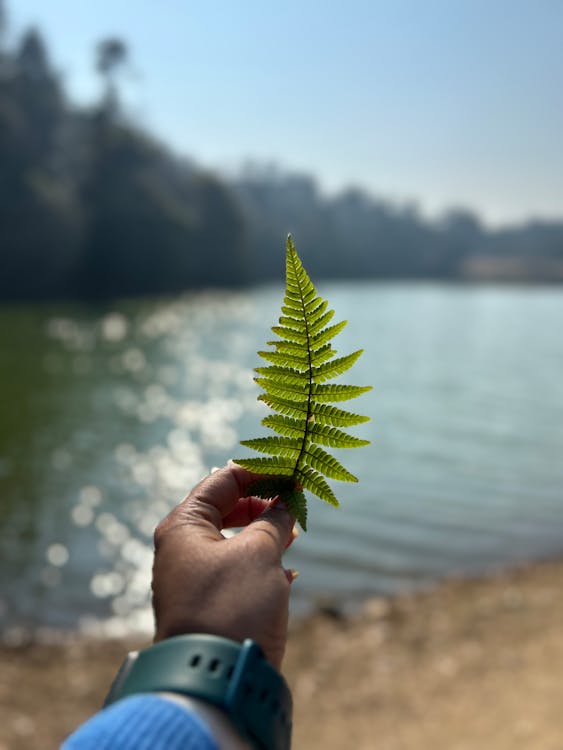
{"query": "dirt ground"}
pixel 472 665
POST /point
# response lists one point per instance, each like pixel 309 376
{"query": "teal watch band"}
pixel 233 676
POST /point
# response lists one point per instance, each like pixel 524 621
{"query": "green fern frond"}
pixel 295 387
pixel 330 436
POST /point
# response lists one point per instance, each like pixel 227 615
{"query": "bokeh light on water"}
pixel 144 400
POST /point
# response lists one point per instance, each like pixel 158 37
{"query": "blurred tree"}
pixel 39 218
pixel 31 57
pixel 38 93
pixel 221 257
pixel 39 240
pixel 152 226
pixel 111 56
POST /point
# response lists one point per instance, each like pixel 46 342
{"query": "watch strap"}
pixel 235 677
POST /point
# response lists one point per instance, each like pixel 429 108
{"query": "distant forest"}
pixel 92 206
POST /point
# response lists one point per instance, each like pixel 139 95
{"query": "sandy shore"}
pixel 472 665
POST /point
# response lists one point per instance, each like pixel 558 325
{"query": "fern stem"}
pixel 310 375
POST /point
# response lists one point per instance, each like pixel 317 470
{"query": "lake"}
pixel 109 414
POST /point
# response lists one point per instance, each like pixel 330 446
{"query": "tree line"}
pixel 92 206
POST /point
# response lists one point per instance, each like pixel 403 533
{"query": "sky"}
pixel 438 102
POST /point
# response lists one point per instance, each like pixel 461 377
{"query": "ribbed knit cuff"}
pixel 143 722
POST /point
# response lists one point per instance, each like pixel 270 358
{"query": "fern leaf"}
pixel 320 311
pixel 332 437
pixel 299 361
pixel 284 405
pixel 291 334
pixel 287 375
pixel 315 483
pixel 318 323
pixel 292 391
pixel 335 367
pixel 323 414
pixel 275 446
pixel 275 466
pixel 322 393
pixel 288 347
pixel 290 322
pixel 321 434
pixel 327 334
pixel 326 464
pixel 326 414
pixel 297 505
pixel 294 384
pixel 285 425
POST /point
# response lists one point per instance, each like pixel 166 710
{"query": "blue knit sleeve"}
pixel 142 722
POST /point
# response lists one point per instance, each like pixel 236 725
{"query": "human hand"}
pixel 235 588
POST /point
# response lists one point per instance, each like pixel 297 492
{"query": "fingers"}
pixel 245 511
pixel 220 501
pixel 217 496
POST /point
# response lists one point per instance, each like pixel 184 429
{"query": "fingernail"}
pixel 293 537
pixel 291 574
pixel 214 469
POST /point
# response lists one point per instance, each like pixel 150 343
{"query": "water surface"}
pixel 110 414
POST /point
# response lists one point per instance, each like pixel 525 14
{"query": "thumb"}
pixel 273 530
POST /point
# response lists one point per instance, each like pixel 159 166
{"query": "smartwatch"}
pixel 234 677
